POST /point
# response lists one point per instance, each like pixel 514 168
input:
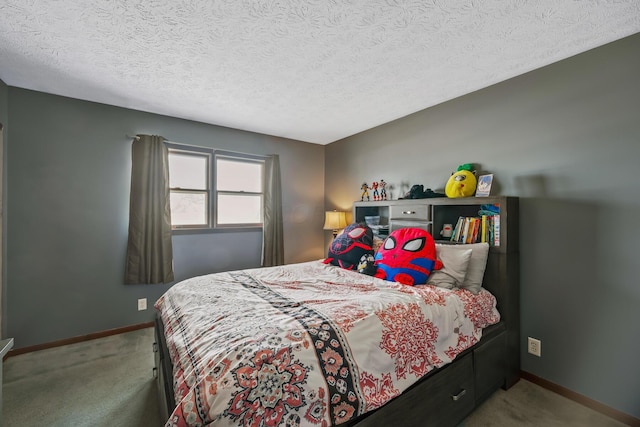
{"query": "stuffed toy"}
pixel 367 265
pixel 462 183
pixel 347 248
pixel 407 256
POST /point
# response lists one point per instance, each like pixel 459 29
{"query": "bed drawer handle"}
pixel 155 372
pixel 409 212
pixel 155 347
pixel 458 396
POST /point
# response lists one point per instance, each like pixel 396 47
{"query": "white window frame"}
pixel 212 193
pixel 235 157
pixel 207 191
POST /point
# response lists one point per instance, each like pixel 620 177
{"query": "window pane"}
pixel 234 175
pixel 239 209
pixel 188 208
pixel 188 171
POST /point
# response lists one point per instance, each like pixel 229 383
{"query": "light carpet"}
pixel 109 382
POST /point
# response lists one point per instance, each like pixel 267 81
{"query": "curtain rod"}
pixel 224 150
pixel 137 137
pixel 263 156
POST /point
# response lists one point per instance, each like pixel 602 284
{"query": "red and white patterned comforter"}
pixel 307 344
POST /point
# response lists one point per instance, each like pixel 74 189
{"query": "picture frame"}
pixel 484 185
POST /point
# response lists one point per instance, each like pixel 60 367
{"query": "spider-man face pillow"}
pixel 346 249
pixel 407 256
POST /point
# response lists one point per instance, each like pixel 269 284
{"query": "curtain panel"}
pixel 149 248
pixel 272 226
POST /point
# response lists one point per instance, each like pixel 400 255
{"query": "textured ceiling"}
pixel 315 70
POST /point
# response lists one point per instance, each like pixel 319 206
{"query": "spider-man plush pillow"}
pixel 407 256
pixel 346 249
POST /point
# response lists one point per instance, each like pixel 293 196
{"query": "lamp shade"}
pixel 334 220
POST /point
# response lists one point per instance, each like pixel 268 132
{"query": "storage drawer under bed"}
pixel 447 398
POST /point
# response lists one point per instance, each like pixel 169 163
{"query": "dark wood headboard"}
pixel 502 279
pixel 502 274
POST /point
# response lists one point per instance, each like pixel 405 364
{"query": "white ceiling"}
pixel 315 70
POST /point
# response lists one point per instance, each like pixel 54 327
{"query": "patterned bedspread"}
pixel 307 344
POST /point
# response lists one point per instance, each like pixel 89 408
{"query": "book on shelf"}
pixel 480 229
pixel 470 230
pixel 465 230
pixel 476 230
pixel 483 231
pixel 455 236
pixel 496 230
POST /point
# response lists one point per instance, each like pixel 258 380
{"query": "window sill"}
pixel 182 231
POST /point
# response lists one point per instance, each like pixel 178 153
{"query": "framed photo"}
pixel 484 185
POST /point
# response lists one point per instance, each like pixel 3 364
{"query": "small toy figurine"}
pixel 383 190
pixel 374 185
pixel 365 192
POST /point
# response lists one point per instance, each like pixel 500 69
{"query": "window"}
pixel 211 189
pixel 189 180
pixel 239 190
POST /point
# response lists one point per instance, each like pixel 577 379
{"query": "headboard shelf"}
pixel 502 274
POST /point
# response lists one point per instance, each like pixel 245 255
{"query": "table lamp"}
pixel 335 221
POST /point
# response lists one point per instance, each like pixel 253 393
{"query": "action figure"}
pixel 383 189
pixel 374 185
pixel 365 192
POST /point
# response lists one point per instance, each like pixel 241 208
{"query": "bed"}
pixel 312 344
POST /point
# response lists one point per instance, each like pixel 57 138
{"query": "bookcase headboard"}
pixel 502 274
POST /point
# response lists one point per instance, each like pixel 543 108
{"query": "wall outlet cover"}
pixel 534 346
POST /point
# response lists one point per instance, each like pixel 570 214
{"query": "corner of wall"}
pixel 4 120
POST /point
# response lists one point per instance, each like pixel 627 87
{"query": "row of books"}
pixel 485 228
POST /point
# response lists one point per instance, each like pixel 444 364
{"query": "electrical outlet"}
pixel 535 347
pixel 142 304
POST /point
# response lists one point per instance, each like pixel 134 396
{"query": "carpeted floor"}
pixel 102 382
pixel 109 382
pixel 527 404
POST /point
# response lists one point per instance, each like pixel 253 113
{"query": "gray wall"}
pixel 566 140
pixel 68 182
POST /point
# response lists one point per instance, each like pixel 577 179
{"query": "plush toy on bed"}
pixel 462 183
pixel 347 249
pixel 407 256
pixel 367 265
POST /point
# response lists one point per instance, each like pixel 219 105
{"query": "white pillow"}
pixel 477 263
pixel 454 268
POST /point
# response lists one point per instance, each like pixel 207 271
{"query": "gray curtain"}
pixel 149 250
pixel 272 236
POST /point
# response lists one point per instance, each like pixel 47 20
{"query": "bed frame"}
pixel 447 395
